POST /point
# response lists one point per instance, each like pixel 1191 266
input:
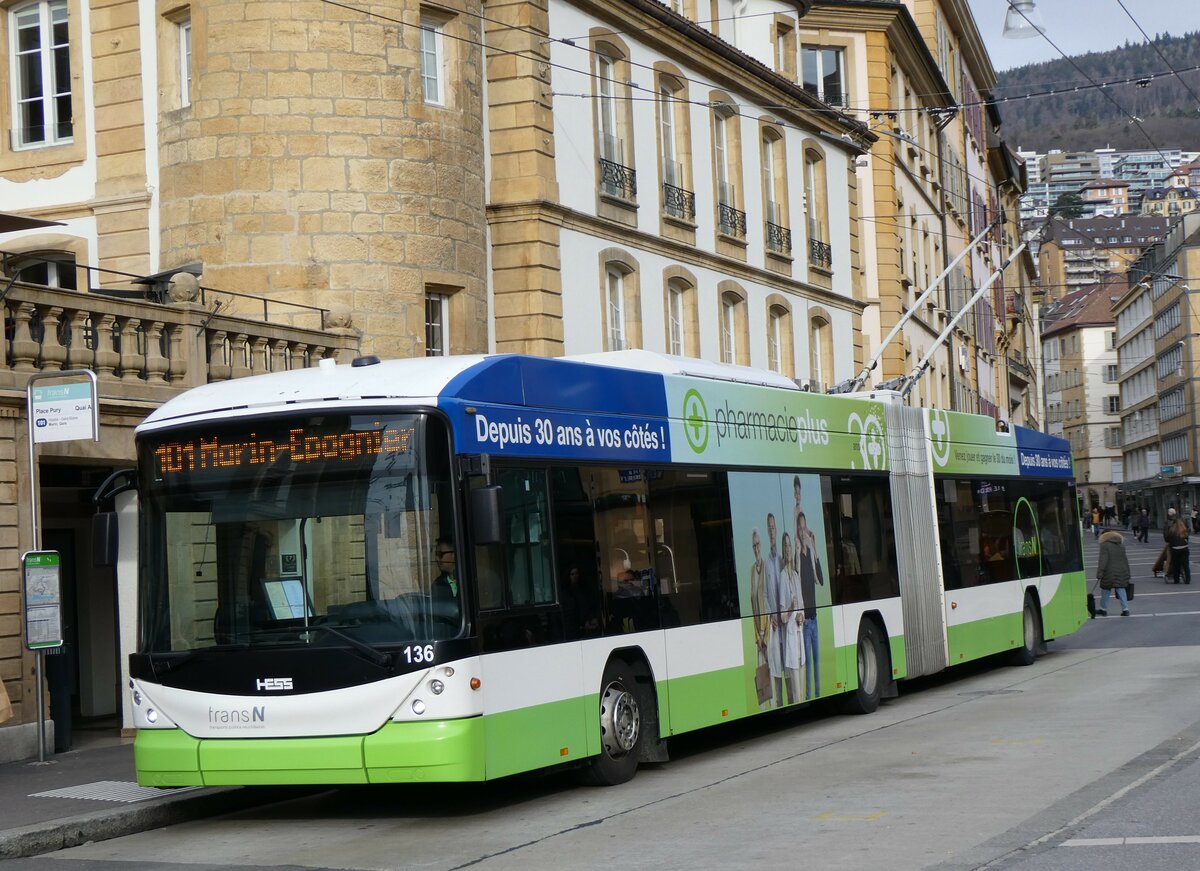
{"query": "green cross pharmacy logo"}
pixel 695 421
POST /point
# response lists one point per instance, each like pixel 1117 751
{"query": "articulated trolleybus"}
pixel 456 569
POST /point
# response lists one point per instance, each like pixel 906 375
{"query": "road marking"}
pixel 1126 842
pixel 1018 742
pixel 1166 614
pixel 829 816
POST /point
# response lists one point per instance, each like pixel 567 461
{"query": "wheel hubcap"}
pixel 620 720
pixel 867 667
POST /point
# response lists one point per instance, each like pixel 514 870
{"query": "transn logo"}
pixel 273 683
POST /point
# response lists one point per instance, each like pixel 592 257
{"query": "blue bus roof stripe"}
pixel 560 384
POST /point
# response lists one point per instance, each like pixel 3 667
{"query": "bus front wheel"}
pixel 865 698
pixel 621 720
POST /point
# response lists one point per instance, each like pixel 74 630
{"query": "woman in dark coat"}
pixel 1113 571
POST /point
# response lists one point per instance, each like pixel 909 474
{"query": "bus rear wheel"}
pixel 621 735
pixel 865 698
pixel 1031 634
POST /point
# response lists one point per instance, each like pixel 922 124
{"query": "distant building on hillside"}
pixel 1170 201
pixel 1105 197
pixel 1075 253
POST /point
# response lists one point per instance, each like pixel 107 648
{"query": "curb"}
pixel 47 837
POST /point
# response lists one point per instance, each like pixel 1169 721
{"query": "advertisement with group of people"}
pixel 780 546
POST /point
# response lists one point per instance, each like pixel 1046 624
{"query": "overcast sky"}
pixel 1080 26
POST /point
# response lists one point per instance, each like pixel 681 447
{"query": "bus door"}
pixel 534 692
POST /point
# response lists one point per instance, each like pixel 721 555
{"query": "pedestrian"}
pixel 1113 572
pixel 1176 536
pixel 1143 526
pixel 1195 520
pixel 1096 521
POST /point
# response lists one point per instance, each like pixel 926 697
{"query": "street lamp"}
pixel 1022 21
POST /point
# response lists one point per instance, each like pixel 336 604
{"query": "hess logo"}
pixel 266 684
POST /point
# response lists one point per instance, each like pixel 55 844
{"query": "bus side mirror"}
pixel 104 539
pixel 485 516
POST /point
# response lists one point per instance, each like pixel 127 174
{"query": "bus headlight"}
pixel 137 697
pixel 436 687
pixel 418 707
pixel 151 715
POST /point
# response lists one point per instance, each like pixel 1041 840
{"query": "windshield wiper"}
pixel 378 657
pixel 166 666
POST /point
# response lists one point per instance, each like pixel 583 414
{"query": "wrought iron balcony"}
pixel 679 203
pixel 731 221
pixel 617 180
pixel 779 239
pixel 820 253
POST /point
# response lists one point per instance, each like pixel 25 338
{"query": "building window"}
pixel 1113 404
pixel 433 61
pixel 615 308
pixel 774 168
pixel 41 73
pixel 617 177
pixel 820 354
pixel 729 342
pixel 820 253
pixel 779 341
pixel 45 268
pixel 824 74
pixel 785 47
pixel 437 324
pixel 675 322
pixel 679 201
pixel 185 62
pixel 731 219
pixel 1110 372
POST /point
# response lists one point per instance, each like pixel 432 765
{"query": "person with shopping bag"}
pixel 1113 572
pixel 1176 537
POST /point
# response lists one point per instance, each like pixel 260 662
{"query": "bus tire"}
pixel 1031 634
pixel 622 718
pixel 865 697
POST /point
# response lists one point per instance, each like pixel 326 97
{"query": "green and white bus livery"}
pixel 456 569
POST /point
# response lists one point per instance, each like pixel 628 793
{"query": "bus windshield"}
pixel 328 530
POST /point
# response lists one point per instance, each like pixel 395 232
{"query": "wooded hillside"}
pixel 1086 119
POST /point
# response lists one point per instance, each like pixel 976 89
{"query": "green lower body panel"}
pixel 980 638
pixel 447 750
pixel 1066 611
pixel 540 736
pixel 706 699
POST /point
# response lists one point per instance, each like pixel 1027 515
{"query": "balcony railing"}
pixel 616 179
pixel 730 221
pixel 679 203
pixel 146 347
pixel 779 239
pixel 820 253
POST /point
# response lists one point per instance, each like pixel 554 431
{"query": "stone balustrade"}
pixel 149 351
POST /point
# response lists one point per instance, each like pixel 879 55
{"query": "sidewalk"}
pixel 98 798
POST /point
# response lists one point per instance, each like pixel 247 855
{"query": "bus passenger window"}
pixel 575 554
pixel 861 539
pixel 526 519
pixel 623 542
pixel 693 546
